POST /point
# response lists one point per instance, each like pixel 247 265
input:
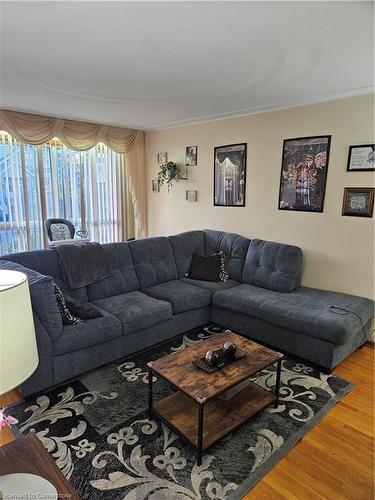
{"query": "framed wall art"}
pixel 361 158
pixel 155 186
pixel 358 202
pixel 304 173
pixel 230 175
pixel 191 156
pixel 191 195
pixel 162 158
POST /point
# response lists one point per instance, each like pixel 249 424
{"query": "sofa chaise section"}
pixel 318 325
pixel 316 313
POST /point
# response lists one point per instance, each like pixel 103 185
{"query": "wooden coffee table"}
pixel 195 412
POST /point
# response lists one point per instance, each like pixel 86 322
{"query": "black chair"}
pixel 62 229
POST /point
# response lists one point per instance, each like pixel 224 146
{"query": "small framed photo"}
pixel 191 156
pixel 191 195
pixel 155 186
pixel 361 158
pixel 162 158
pixel 183 172
pixel 358 202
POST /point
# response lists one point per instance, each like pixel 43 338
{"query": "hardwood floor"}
pixel 335 460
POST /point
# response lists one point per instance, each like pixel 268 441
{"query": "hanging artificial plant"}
pixel 168 173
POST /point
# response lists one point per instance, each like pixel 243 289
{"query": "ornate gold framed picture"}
pixel 358 202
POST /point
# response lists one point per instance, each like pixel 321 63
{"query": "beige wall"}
pixel 338 251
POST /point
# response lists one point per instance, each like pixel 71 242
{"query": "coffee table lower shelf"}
pixel 181 413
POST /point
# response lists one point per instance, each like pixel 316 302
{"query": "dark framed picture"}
pixel 304 173
pixel 358 202
pixel 230 175
pixel 155 186
pixel 361 158
pixel 191 156
pixel 162 158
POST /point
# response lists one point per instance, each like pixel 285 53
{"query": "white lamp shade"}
pixel 18 350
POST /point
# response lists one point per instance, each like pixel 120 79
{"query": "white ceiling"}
pixel 154 64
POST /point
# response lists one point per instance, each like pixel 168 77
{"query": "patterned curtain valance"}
pixel 81 136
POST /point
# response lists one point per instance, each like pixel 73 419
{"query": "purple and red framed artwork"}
pixel 304 173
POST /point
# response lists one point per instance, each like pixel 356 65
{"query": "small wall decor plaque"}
pixel 361 158
pixel 358 202
pixel 183 172
pixel 191 195
pixel 155 186
pixel 162 158
pixel 191 156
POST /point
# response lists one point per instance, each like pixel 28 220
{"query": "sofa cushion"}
pixel 306 310
pixel 123 279
pixel 233 245
pixel 181 295
pixel 89 333
pixel 42 296
pixel 184 245
pixel 82 310
pixel 273 265
pixel 212 286
pixel 153 261
pixel 136 310
pixel 47 262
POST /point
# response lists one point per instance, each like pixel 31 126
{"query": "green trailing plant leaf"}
pixel 168 173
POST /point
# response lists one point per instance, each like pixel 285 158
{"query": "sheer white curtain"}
pixel 108 208
pixel 89 188
pixel 37 130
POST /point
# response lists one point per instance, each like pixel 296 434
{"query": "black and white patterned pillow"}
pixel 60 232
pixel 223 275
pixel 67 317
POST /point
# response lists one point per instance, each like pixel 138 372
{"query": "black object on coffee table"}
pixel 203 365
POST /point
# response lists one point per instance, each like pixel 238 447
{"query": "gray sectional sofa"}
pixel 148 300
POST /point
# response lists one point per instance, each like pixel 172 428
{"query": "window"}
pixel 39 182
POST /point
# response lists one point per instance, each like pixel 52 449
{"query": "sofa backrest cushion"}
pixel 124 278
pixel 233 245
pixel 184 245
pixel 42 296
pixel 47 262
pixel 273 265
pixel 153 261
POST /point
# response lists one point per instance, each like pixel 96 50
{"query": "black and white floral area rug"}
pixel 97 430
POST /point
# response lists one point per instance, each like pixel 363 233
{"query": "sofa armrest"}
pixel 43 375
pixel 42 296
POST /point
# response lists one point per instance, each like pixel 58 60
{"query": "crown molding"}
pixel 267 108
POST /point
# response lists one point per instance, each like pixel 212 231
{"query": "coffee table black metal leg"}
pixel 150 393
pixel 277 389
pixel 200 433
